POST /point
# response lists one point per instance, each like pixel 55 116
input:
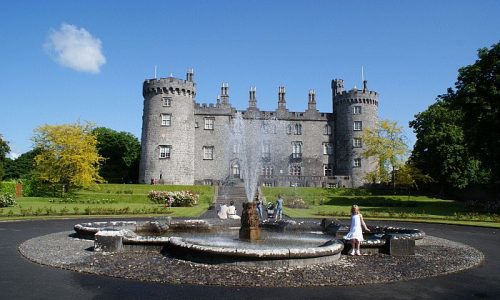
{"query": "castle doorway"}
pixel 235 170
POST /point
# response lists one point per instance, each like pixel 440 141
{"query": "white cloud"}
pixel 75 48
pixel 13 155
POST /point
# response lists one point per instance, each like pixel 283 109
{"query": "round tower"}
pixel 353 110
pixel 167 142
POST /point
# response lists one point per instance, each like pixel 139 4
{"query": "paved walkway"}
pixel 22 279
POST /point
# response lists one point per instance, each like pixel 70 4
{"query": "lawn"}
pixel 109 199
pixel 131 199
pixel 323 203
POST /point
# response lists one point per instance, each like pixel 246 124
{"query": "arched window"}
pixel 298 129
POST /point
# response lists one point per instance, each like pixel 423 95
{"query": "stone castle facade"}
pixel 184 142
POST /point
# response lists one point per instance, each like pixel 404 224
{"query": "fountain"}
pixel 283 243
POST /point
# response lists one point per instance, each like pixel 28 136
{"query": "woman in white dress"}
pixel 355 234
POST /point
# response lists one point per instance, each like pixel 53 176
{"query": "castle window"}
pixel 356 143
pixel 327 170
pixel 236 148
pixel 328 130
pixel 298 129
pixel 296 149
pixel 166 101
pixel 295 170
pixel 357 163
pixel 166 119
pixel 358 126
pixel 208 152
pixel 266 150
pixel 356 110
pixel 327 148
pixel 289 129
pixel 209 123
pixel 165 151
pixel 267 170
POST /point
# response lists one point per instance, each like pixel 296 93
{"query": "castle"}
pixel 184 142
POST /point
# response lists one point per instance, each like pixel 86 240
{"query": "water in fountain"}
pixel 247 139
pixel 252 140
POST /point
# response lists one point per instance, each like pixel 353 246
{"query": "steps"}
pixel 227 194
pixel 231 191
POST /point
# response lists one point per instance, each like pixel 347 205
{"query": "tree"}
pixel 477 96
pixel 386 142
pixel 68 155
pixel 458 141
pixel 441 149
pixel 4 149
pixel 22 166
pixel 121 151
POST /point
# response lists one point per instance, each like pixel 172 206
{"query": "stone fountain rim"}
pixel 329 248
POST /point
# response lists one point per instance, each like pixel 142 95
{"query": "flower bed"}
pixel 175 199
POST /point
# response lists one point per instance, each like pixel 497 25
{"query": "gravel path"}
pixel 434 256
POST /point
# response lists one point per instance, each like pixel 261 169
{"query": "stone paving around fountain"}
pixel 434 256
pixel 22 279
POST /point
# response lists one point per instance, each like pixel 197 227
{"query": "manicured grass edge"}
pixel 134 216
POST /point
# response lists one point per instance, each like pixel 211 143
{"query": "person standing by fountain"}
pixel 355 234
pixel 279 208
pixel 259 206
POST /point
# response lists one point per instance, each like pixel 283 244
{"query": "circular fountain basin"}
pixel 283 243
pixel 210 241
pixel 274 248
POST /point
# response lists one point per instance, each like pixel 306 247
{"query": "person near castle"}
pixel 279 208
pixel 355 234
pixel 231 211
pixel 222 213
pixel 259 206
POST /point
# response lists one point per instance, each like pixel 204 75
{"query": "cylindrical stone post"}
pixel 249 229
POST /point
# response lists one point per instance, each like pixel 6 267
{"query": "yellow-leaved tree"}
pixel 68 155
pixel 387 143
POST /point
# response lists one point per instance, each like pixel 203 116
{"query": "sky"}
pixel 77 61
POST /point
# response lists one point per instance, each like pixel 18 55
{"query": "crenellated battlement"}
pixel 169 85
pixel 355 96
pixel 213 109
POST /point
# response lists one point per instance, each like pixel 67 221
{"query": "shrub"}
pixel 7 199
pixel 296 203
pixel 180 198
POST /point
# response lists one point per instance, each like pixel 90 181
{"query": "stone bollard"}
pixel 108 241
pixel 400 246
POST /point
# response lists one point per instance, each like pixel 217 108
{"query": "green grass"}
pixel 108 199
pixel 112 200
pixel 323 203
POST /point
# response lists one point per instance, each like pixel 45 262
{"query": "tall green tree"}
pixel 4 149
pixel 386 142
pixel 121 151
pixel 477 95
pixel 22 166
pixel 68 155
pixel 441 149
pixel 458 137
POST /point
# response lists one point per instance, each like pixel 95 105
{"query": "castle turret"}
pixel 252 100
pixel 224 94
pixel 353 110
pixel 168 139
pixel 311 102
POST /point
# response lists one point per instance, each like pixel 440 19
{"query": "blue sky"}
pixel 65 61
